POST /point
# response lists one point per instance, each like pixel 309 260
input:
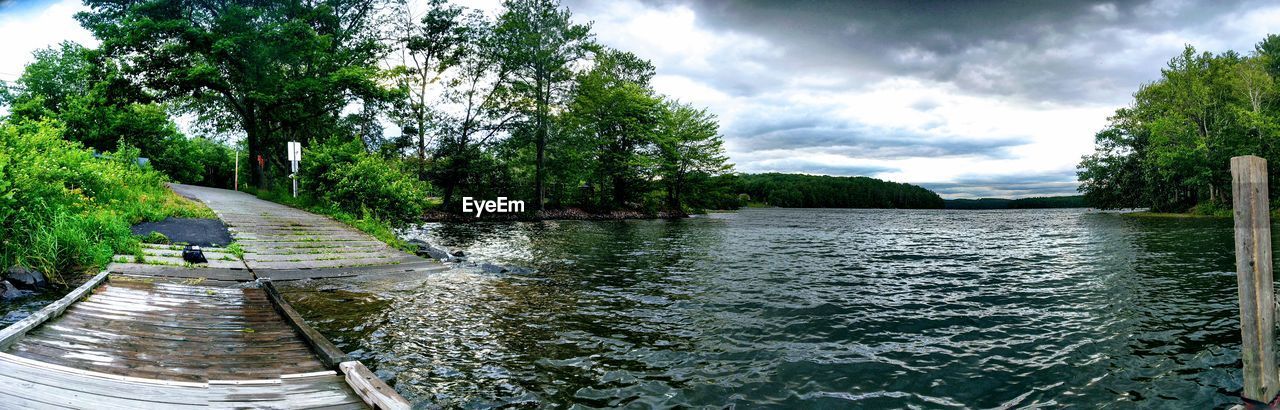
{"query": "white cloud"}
pixel 35 27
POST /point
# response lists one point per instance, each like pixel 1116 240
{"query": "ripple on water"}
pixel 814 308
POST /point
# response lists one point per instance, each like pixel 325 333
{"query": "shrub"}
pixel 64 211
pixel 195 161
pixel 359 183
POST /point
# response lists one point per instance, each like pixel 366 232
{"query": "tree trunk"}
pixel 253 136
pixel 541 124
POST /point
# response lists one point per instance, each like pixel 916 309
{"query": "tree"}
pixel 1169 150
pixel 89 95
pixel 276 71
pixel 428 48
pixel 539 43
pixel 689 142
pixel 614 114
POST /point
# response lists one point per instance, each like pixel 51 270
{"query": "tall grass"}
pixel 65 212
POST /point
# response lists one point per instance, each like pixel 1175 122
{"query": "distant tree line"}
pixel 1170 149
pixel 1068 201
pixel 820 191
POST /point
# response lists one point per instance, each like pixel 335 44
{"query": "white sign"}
pixel 295 151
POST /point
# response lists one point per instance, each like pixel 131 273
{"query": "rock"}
pixel 492 268
pixel 26 278
pixel 426 250
pixel 519 270
pixel 459 254
pixel 8 291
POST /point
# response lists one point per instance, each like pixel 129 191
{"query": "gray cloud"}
pixel 1008 186
pixel 810 167
pixel 1033 50
pixel 1037 56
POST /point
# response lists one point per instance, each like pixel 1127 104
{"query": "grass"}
pixel 68 212
pixel 155 238
pixel 236 249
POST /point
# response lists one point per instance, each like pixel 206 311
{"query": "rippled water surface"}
pixel 808 308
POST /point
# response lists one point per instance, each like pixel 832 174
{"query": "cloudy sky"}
pixel 968 98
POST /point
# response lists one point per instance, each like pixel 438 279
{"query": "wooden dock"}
pixel 154 332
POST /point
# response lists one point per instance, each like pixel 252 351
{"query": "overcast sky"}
pixel 968 98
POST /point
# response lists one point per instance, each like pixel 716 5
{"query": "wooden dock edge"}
pixel 329 354
pixel 13 332
pixel 368 386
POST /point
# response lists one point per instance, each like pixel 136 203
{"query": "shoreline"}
pixel 569 214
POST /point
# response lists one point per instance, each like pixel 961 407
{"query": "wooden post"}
pixel 1253 274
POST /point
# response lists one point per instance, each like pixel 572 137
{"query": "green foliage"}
pixel 276 71
pixel 155 238
pixel 540 43
pixel 819 191
pixel 237 250
pixel 1040 202
pixel 1211 209
pixel 65 211
pixel 101 109
pixel 1170 150
pixel 361 183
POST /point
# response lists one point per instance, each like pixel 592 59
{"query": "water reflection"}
pixel 815 308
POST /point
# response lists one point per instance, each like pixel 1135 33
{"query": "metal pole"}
pixel 1253 275
pixel 235 184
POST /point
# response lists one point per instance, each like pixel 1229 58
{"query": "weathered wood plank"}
pixel 373 390
pixel 241 275
pixel 1253 275
pixel 329 354
pixel 11 333
pixel 421 265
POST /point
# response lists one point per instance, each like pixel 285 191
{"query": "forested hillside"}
pixel 820 191
pixel 1170 149
pixel 1041 202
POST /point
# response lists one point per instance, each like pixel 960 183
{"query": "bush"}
pixel 64 211
pixel 196 161
pixel 359 183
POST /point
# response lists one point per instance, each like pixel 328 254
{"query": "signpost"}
pixel 295 156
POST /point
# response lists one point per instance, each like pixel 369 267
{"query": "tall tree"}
pixel 277 70
pixel 614 115
pixel 480 102
pixel 540 43
pixel 689 142
pixel 427 49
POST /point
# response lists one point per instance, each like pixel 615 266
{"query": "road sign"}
pixel 295 156
pixel 295 151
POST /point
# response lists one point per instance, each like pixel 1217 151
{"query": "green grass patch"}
pixel 236 249
pixel 67 212
pixel 155 238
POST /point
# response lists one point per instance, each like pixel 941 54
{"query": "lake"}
pixel 808 308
